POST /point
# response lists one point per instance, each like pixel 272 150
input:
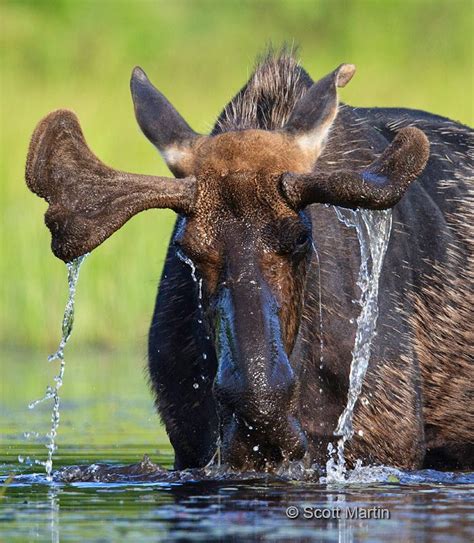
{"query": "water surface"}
pixel 107 418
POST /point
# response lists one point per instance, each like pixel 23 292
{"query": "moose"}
pixel 245 304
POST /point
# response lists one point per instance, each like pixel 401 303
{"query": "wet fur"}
pixel 416 406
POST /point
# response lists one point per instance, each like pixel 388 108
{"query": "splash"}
pixel 52 391
pixel 373 233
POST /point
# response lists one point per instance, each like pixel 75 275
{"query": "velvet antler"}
pixel 88 201
pixel 380 186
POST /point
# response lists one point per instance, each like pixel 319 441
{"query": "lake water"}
pixel 107 419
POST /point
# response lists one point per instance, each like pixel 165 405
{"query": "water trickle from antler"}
pixel 194 277
pixel 73 268
pixel 373 232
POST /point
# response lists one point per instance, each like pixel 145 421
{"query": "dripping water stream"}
pixel 373 233
pixel 216 458
pixel 52 391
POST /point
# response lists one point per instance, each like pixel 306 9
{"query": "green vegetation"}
pixel 79 55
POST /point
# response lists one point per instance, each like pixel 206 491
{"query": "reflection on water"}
pixel 142 502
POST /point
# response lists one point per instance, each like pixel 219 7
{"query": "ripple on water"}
pixel 144 501
pixel 147 471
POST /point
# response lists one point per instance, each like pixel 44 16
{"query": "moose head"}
pixel 243 194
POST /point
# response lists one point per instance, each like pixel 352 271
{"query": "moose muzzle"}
pixel 255 387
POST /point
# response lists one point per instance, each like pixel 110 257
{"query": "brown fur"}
pixel 386 418
pixel 269 97
pixel 250 151
pixel 443 336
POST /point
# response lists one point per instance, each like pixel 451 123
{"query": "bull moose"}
pixel 235 339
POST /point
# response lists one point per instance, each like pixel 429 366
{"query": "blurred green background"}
pixel 79 55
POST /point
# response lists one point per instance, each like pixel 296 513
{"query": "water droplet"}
pixel 196 386
pixel 255 448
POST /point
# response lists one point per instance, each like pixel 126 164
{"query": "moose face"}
pixel 240 214
pixel 242 195
pixel 250 248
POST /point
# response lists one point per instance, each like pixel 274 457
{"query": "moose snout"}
pixel 256 398
pixel 254 395
pixel 259 427
pixel 255 386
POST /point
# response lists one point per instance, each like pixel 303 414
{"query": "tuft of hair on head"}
pixel 267 100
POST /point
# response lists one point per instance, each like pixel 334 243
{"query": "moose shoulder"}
pixel 234 344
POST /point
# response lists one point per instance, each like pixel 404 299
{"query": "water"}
pixel 373 233
pixel 197 281
pixel 142 502
pixel 52 392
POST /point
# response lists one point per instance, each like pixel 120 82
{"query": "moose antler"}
pixel 380 186
pixel 88 201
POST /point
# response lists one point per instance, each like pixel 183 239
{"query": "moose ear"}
pixel 162 124
pixel 315 112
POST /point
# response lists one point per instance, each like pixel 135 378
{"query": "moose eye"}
pixel 293 238
pixel 302 239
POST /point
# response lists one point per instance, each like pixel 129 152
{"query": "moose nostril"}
pixel 259 404
pixel 263 444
